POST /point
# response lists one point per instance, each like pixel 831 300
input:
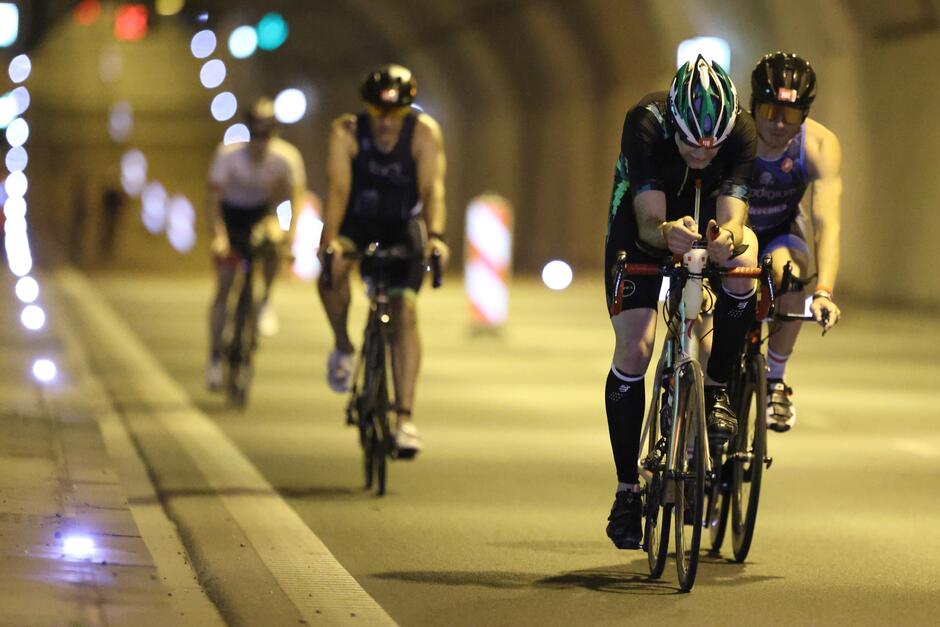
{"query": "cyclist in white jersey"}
pixel 247 181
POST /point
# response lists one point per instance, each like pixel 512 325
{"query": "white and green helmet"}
pixel 703 103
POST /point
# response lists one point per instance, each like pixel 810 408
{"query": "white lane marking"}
pixel 311 577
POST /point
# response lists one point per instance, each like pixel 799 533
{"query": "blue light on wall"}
pixel 272 31
pixel 9 24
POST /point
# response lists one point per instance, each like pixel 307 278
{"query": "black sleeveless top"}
pixel 384 185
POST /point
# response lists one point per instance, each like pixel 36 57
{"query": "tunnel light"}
pixel 14 209
pixel 9 109
pixel 16 185
pixel 224 106
pixel 290 106
pixel 284 215
pixel 236 134
pixel 212 73
pixel 153 207
pixel 243 42
pixel 180 223
pixel 78 547
pixel 9 24
pixel 45 371
pixel 169 7
pixel 120 121
pixel 272 31
pixel 33 317
pixel 17 248
pixel 19 68
pixel 557 274
pixel 130 22
pixel 712 48
pixel 27 290
pixel 86 12
pixel 17 132
pixel 110 64
pixel 203 44
pixel 133 172
pixel 21 99
pixel 16 159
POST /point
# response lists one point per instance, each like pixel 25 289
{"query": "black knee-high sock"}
pixel 624 397
pixel 734 314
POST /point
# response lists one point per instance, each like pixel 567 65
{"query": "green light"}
pixel 272 31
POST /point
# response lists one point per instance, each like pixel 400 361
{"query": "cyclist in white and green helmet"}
pixel 696 132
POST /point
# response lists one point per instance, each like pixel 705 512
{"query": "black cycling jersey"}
pixel 384 185
pixel 650 160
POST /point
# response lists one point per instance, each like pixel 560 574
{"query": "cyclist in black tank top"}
pixel 386 183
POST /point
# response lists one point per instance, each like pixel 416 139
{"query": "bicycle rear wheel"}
pixel 750 447
pixel 656 527
pixel 689 478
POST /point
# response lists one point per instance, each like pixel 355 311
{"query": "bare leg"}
pixel 225 276
pixel 406 352
pixel 336 303
pixel 784 334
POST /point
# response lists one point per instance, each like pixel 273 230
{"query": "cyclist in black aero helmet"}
pixel 670 141
pixel 793 151
pixel 386 183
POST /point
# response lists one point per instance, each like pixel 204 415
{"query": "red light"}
pixel 87 12
pixel 130 22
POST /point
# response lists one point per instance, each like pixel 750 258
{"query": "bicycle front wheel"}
pixel 750 448
pixel 689 473
pixel 656 527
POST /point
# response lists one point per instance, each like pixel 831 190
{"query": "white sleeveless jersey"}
pixel 246 182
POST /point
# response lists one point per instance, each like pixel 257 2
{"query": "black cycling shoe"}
pixel 722 423
pixel 625 528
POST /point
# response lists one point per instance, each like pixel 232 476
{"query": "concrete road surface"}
pixel 501 521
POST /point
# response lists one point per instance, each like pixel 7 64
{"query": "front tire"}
pixel 689 471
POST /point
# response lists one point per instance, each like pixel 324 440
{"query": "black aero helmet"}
pixel 260 117
pixel 389 86
pixel 785 79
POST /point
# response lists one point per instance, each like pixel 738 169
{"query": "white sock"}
pixel 777 364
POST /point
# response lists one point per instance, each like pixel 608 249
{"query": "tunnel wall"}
pixel 531 96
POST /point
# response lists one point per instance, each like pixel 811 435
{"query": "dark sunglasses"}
pixel 770 112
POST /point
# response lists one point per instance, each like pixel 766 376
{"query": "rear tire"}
pixel 751 440
pixel 689 483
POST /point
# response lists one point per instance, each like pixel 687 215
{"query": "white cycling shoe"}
pixel 408 440
pixel 214 375
pixel 781 413
pixel 268 322
pixel 339 370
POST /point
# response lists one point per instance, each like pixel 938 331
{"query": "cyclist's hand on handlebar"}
pixel 720 243
pixel 433 245
pixel 826 312
pixel 680 235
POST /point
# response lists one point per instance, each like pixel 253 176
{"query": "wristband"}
pixel 822 293
pixel 438 236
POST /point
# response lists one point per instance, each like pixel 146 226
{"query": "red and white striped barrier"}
pixel 488 259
